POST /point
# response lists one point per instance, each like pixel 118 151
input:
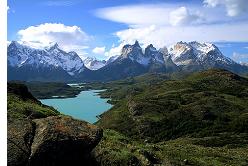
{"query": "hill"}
pixel 203 104
pixel 199 120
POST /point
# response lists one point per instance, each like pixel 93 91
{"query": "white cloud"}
pixel 143 15
pixel 164 35
pixel 182 16
pixel 233 7
pixel 164 24
pixel 114 50
pixel 99 50
pixel 135 14
pixel 69 38
pixel 240 57
pixel 143 35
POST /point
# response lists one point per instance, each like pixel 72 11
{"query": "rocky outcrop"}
pixel 62 140
pixel 20 136
pixel 55 140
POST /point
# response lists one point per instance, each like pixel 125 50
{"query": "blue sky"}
pixel 101 27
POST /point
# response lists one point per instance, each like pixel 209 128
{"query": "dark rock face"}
pixel 55 140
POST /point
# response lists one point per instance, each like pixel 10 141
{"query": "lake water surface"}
pixel 86 106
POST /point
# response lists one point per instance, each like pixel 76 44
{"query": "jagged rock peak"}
pixel 53 47
pixel 132 50
pixel 16 44
pixel 150 47
pixel 136 43
pixel 164 50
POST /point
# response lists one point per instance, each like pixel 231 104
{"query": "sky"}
pixel 100 28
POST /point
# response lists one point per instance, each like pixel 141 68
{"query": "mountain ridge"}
pixel 52 63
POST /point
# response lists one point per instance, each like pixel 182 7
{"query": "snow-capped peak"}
pixel 54 46
pixel 112 59
pixel 21 55
pixel 93 64
pixel 184 53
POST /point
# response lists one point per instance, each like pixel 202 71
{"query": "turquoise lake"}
pixel 86 106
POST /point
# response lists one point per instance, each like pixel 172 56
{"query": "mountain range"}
pixel 54 64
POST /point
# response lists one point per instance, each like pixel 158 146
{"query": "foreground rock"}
pixel 55 140
pixel 20 135
pixel 61 140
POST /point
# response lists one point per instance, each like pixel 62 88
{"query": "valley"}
pixel 160 119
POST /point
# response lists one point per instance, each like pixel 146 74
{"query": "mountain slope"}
pixel 50 64
pixel 204 104
pixel 200 120
pixel 133 62
pixel 195 56
pixel 54 64
pixel 182 57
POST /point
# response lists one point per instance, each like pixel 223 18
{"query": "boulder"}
pixel 61 140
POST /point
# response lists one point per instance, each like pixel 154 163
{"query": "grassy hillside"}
pixel 224 149
pixel 206 103
pixel 21 104
pixel 199 120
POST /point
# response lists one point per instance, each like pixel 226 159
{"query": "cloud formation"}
pixel 164 24
pixel 69 38
pixel 143 15
pixel 99 50
pixel 239 57
pixel 115 50
pixel 233 7
pixel 182 16
pixel 161 36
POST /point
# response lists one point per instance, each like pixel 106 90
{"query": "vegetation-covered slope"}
pixel 21 104
pixel 200 120
pixel 206 103
pixel 224 149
